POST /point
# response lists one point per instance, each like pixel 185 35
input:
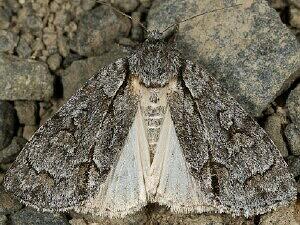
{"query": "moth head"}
pixel 156 62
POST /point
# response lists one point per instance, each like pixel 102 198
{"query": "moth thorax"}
pixel 153 107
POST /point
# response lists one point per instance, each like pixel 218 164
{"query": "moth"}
pixel 151 127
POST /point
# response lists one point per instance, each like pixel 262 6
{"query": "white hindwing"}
pixel 134 182
pixel 124 191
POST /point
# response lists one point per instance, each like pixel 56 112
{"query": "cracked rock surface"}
pixel 49 48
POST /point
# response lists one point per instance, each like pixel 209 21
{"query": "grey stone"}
pixel 295 17
pixel 28 131
pixel 3 220
pixel 161 215
pixel 88 4
pixel 293 104
pixel 294 165
pixel 4 18
pixel 244 47
pixel 98 29
pixel 281 216
pixel 24 79
pixel 1 177
pixel 54 61
pixel 126 5
pixel 9 153
pixel 62 18
pixel 295 3
pixel 34 23
pixel 274 126
pixel 5 167
pixel 26 111
pixel 77 222
pixel 28 216
pixel 292 133
pixel 23 49
pixel 278 4
pixel 8 41
pixel 8 204
pixel 62 45
pixel 80 71
pixel 7 123
pixel 146 3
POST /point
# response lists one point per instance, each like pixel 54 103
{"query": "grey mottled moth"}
pixel 151 127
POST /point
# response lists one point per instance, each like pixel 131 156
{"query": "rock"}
pixel 8 204
pixel 62 18
pixel 293 104
pixel 8 41
pixel 28 216
pixel 136 30
pixel 9 153
pixel 161 215
pixel 77 222
pixel 4 18
pixel 146 3
pixel 252 71
pixel 54 61
pixel 80 71
pixel 126 6
pixel 7 123
pixel 23 49
pixel 24 79
pixel 34 23
pixel 50 39
pixel 273 126
pixel 26 111
pixel 1 178
pixel 278 4
pixel 295 3
pixel 294 165
pixel 98 29
pixel 295 17
pixel 63 47
pixel 297 211
pixel 131 219
pixel 3 220
pixel 37 47
pixel 292 133
pixel 88 4
pixel 5 167
pixel 28 131
pixel 282 216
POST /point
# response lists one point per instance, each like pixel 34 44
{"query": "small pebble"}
pixel 28 131
pixel 26 111
pixel 54 61
pixel 88 4
pixel 295 17
pixel 8 41
pixel 63 47
pixel 126 6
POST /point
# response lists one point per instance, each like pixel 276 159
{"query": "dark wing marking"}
pixel 57 169
pixel 248 173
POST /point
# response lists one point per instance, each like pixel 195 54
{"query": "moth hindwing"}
pixel 151 127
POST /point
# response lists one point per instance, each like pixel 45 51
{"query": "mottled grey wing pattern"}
pixel 248 173
pixel 60 166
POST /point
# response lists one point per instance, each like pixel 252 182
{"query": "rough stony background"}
pixel 48 48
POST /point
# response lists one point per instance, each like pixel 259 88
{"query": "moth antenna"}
pixel 124 14
pixel 201 14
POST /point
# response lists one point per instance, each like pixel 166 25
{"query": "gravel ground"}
pixel 49 48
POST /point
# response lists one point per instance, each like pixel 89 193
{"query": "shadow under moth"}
pixel 151 127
